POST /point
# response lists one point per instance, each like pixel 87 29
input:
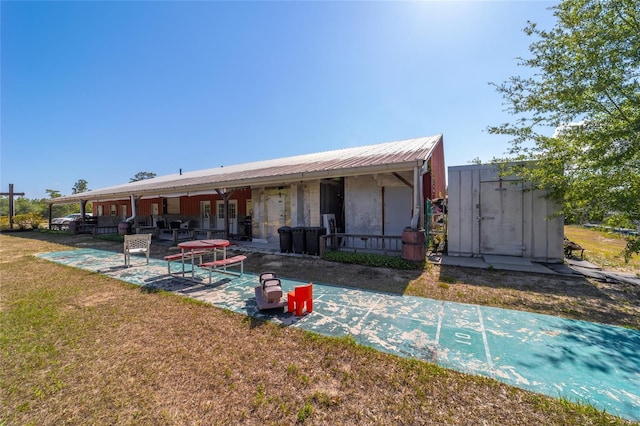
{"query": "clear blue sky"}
pixel 103 90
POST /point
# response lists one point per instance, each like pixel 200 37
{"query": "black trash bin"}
pixel 285 239
pixel 299 243
pixel 248 232
pixel 313 234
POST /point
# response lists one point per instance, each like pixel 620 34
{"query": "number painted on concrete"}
pixel 463 338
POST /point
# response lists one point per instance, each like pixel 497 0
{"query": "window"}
pixel 113 210
pixel 173 205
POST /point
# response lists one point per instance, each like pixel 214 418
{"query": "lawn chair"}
pixel 136 243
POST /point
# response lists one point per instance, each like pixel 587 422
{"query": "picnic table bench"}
pixel 229 261
pixel 181 257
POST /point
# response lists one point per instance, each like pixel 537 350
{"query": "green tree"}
pixel 578 112
pixel 53 193
pixel 80 186
pixel 142 176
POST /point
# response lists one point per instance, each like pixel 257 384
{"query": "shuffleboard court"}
pixel 582 361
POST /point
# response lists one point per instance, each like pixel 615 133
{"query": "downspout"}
pixel 133 209
pixel 415 219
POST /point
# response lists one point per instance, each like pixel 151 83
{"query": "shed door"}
pixel 501 218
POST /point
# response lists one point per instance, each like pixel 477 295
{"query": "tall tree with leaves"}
pixel 142 176
pixel 80 186
pixel 578 112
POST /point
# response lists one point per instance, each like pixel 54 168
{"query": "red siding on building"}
pixel 434 183
pixel 189 205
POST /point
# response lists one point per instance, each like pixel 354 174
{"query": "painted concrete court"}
pixel 582 361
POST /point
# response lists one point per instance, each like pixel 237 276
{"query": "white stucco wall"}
pixel 363 201
pixel 305 204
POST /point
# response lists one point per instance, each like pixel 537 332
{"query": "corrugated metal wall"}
pixel 474 230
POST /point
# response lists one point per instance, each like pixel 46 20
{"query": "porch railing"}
pixel 362 243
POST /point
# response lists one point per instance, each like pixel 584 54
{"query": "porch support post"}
pixel 225 198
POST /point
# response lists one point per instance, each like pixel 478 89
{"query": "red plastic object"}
pixel 299 297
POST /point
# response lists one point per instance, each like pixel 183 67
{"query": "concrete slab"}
pixel 581 263
pixel 467 262
pixel 506 260
pixel 582 361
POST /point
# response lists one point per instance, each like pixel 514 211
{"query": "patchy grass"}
pixel 604 249
pixel 372 259
pixel 80 348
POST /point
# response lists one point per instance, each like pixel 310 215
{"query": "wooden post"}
pixel 11 194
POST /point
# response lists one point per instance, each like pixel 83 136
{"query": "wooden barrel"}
pixel 414 244
pixel 124 228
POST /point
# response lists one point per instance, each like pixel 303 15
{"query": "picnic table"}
pixel 198 247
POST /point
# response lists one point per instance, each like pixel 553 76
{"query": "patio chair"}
pixel 136 243
pixel 299 297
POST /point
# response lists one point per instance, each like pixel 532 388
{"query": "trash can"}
pixel 299 243
pixel 312 235
pixel 248 231
pixel 73 227
pixel 285 239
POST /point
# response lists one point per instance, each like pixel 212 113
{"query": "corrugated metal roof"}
pixel 390 156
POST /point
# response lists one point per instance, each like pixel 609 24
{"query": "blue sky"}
pixel 103 90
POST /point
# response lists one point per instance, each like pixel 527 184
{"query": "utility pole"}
pixel 11 194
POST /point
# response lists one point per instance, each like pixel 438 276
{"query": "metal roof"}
pixel 385 157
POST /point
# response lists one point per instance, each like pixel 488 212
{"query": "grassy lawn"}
pixel 80 348
pixel 602 248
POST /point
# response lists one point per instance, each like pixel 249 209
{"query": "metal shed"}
pixel 491 214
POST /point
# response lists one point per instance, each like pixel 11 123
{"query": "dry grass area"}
pixel 79 348
pixel 602 248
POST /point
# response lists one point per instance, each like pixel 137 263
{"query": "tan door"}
pixel 501 218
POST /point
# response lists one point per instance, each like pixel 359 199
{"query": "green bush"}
pixel 369 259
pixel 25 221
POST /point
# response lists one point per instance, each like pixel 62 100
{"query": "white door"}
pixel 501 218
pixel 276 216
pixel 232 215
pixel 397 209
pixel 123 212
pixel 205 214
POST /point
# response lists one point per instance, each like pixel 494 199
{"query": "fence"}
pixel 362 243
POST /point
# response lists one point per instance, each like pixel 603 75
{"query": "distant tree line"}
pixel 24 205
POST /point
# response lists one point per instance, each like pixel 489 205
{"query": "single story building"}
pixel 368 190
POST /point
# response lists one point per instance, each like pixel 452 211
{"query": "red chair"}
pixel 300 296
